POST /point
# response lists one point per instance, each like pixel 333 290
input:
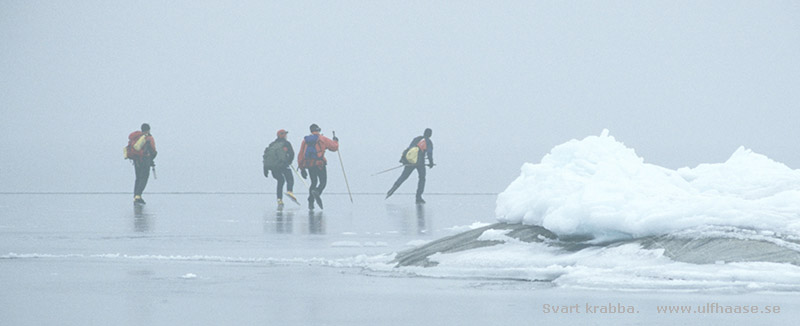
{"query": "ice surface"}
pixel 215 259
pixel 704 259
pixel 191 255
pixel 234 259
pixel 600 188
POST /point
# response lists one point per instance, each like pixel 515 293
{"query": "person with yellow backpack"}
pixel 141 150
pixel 413 158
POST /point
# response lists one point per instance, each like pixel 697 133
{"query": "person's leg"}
pixel 421 184
pixel 403 176
pixel 287 174
pixel 278 175
pixel 323 179
pixel 142 174
pixel 313 175
pixel 321 175
pixel 138 181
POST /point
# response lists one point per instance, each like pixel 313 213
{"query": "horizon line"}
pixel 224 193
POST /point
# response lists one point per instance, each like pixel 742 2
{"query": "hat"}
pixel 314 127
pixel 282 133
pixel 145 127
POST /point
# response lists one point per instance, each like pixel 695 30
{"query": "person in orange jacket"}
pixel 311 161
pixel 142 150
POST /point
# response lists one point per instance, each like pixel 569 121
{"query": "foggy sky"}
pixel 500 84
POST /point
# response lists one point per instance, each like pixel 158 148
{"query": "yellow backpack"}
pixel 137 146
pixel 411 155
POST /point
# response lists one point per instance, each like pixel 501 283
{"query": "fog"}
pixel 500 84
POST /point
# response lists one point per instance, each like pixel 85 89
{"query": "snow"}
pixel 356 244
pixel 352 244
pixel 623 267
pixel 494 235
pixel 599 187
pixel 416 243
pixel 462 228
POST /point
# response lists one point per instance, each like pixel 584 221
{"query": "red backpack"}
pixel 136 142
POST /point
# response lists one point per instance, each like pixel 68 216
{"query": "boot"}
pixel 315 194
pixel 292 197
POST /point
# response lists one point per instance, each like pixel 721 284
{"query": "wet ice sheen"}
pixel 234 259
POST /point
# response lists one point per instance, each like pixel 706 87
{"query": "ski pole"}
pixel 298 175
pixel 154 172
pixel 387 170
pixel 394 168
pixel 343 173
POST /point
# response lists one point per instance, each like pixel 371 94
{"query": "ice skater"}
pixel 141 150
pixel 277 158
pixel 311 161
pixel 414 159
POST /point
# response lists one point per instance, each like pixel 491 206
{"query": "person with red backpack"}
pixel 311 161
pixel 141 150
pixel 414 159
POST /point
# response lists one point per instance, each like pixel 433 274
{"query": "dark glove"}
pixel 430 165
pixel 336 139
pixel 303 173
pixel 266 173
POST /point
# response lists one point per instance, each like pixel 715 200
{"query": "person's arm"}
pixel 152 142
pixel 329 143
pixel 301 154
pixel 430 152
pixel 300 157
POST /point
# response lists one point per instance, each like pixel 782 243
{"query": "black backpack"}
pixel 275 156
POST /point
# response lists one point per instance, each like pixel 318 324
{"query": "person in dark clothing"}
pixel 425 149
pixel 142 151
pixel 311 161
pixel 283 174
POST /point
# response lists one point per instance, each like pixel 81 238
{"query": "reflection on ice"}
pixel 141 219
pixel 284 222
pixel 421 219
pixel 413 218
pixel 316 222
pixel 281 221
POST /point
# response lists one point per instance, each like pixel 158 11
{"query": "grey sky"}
pixel 500 83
